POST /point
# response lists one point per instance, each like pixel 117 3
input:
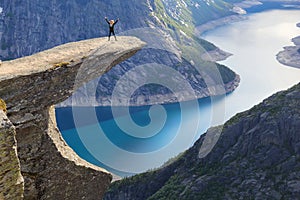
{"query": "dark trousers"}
pixel 112 32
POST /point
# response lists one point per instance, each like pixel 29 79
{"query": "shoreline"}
pixel 202 29
pixel 290 55
pixel 169 98
pixel 216 55
pixel 240 14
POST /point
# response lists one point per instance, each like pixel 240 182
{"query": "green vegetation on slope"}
pixel 257 152
pixel 185 23
pixel 204 11
pixel 181 25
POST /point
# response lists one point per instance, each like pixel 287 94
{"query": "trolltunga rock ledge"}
pixel 30 86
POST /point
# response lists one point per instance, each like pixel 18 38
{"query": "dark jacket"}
pixel 111 26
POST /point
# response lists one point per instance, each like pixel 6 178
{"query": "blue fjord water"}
pixel 95 135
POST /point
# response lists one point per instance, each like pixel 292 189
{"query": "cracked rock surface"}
pixel 30 86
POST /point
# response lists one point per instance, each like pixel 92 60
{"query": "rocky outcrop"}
pixel 215 55
pixel 256 156
pixel 30 86
pixel 11 181
pixel 291 55
pixel 38 25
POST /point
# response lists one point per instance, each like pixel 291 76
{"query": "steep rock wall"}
pixel 30 26
pixel 30 86
pixel 11 182
pixel 40 24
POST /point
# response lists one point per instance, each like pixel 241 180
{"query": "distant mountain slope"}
pixel 30 26
pixel 256 157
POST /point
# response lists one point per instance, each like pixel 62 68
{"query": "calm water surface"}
pixel 254 43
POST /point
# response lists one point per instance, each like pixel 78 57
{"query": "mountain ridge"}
pixel 256 156
pixel 45 24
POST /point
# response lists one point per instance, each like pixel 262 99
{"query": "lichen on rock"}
pixel 11 180
pixel 2 105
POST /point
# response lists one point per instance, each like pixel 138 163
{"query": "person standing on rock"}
pixel 111 24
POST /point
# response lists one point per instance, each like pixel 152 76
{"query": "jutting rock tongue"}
pixel 30 87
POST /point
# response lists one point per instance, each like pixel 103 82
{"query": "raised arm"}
pixel 106 20
pixel 117 21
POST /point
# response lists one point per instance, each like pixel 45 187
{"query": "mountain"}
pixel 257 156
pixel 30 26
pixel 167 27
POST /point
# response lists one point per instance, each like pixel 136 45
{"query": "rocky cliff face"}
pixel 31 26
pixel 11 182
pixel 38 25
pixel 257 156
pixel 30 86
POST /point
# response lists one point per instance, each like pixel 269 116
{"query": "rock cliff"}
pixel 40 24
pixel 30 86
pixel 257 156
pixel 11 181
pixel 30 26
